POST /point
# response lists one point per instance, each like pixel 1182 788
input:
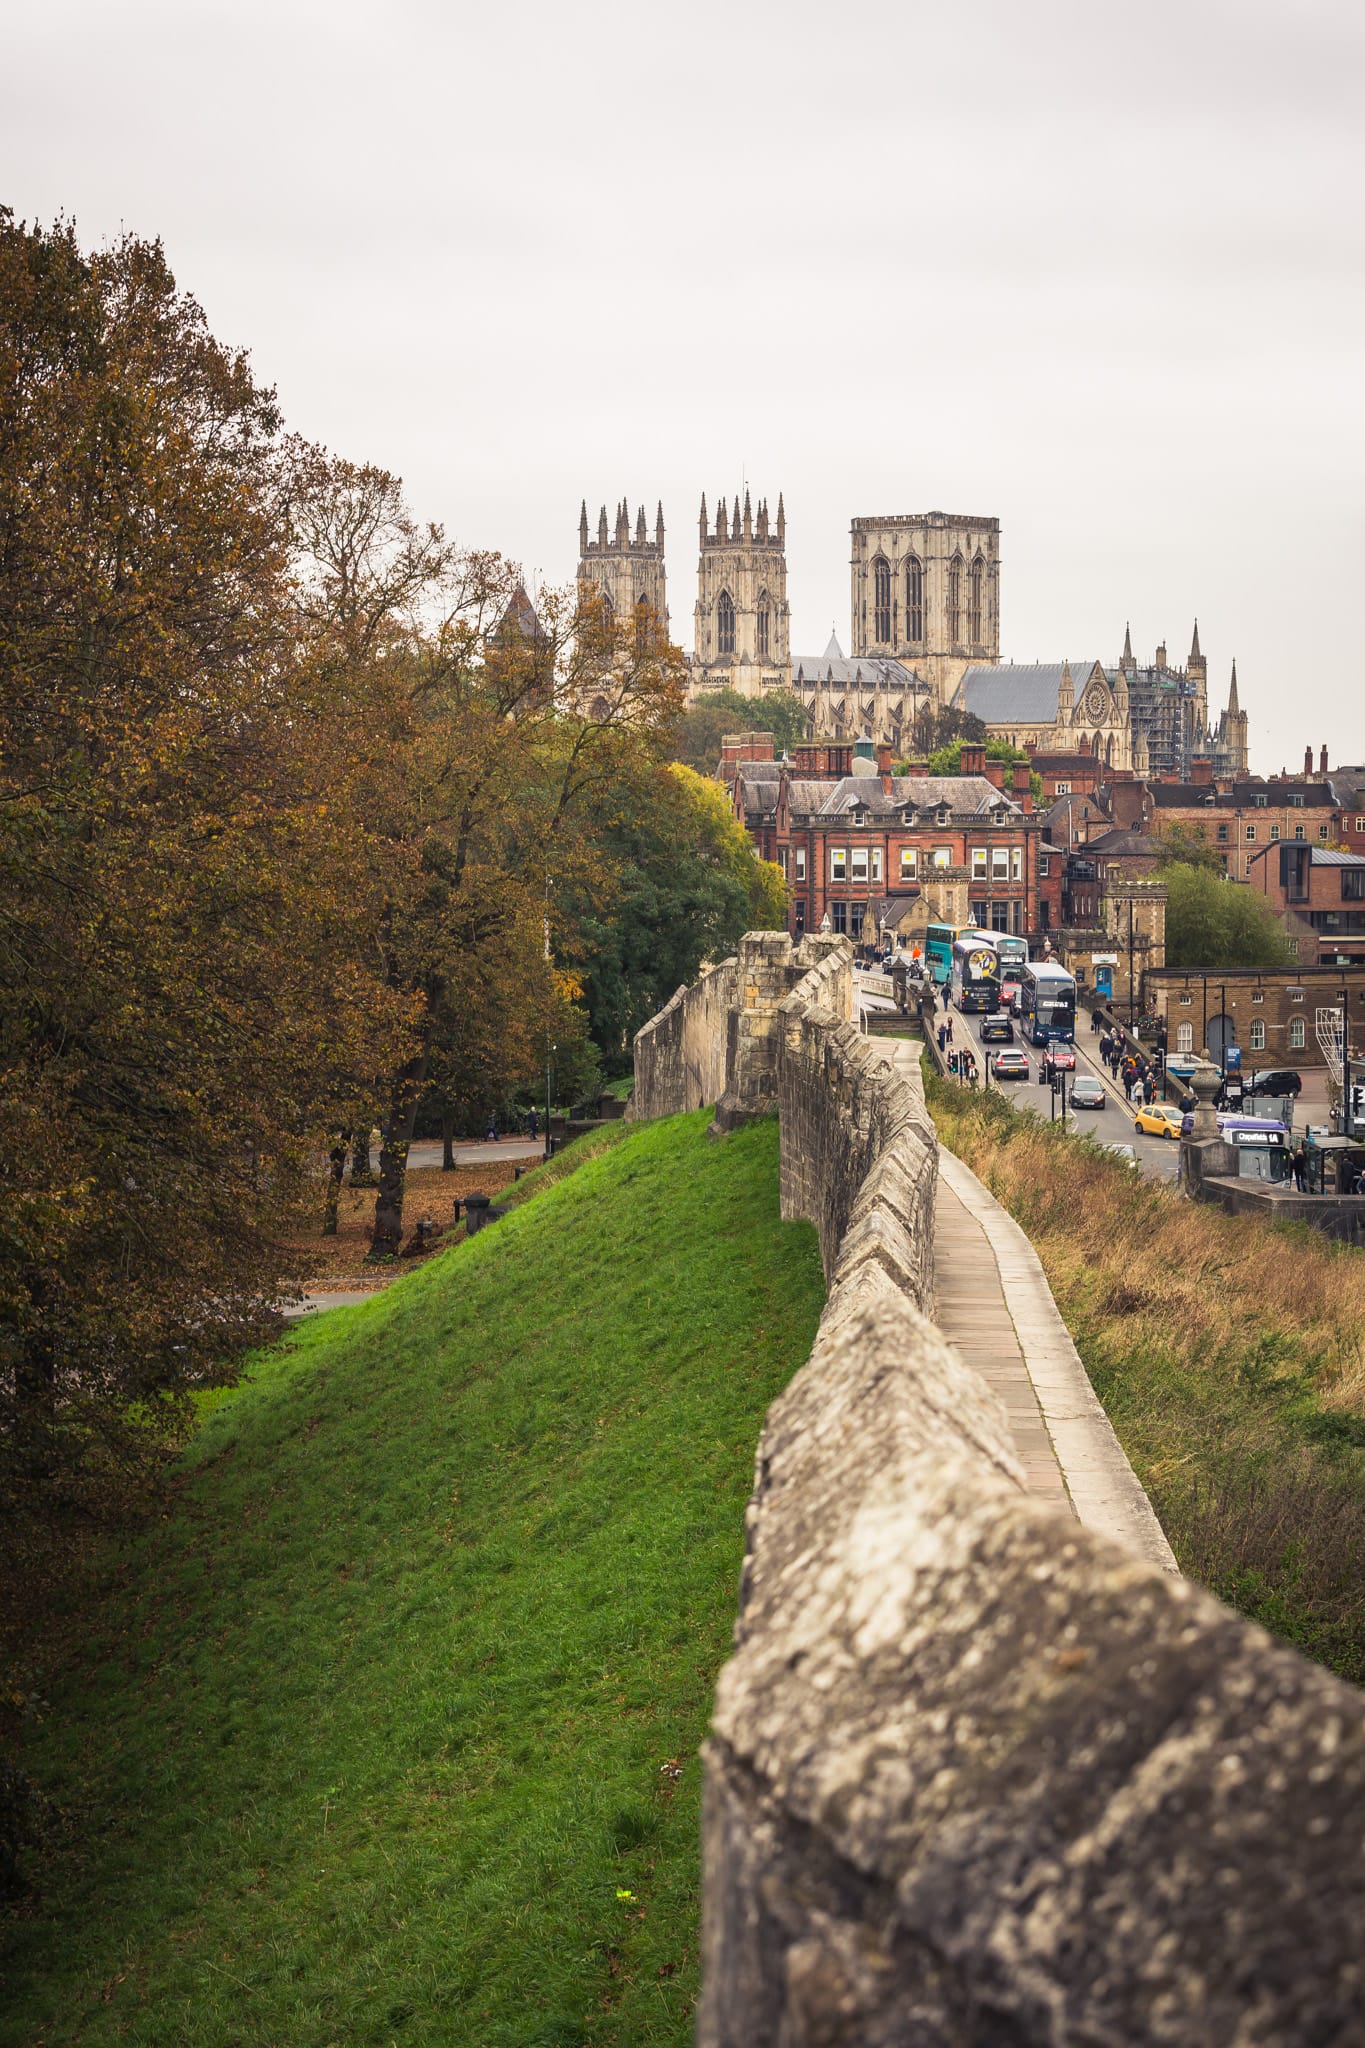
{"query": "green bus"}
pixel 939 940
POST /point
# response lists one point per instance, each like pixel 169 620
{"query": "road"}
pixel 1158 1157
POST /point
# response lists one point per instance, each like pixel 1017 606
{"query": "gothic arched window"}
pixel 974 600
pixel 881 600
pixel 725 623
pixel 914 598
pixel 955 599
pixel 761 627
pixel 641 625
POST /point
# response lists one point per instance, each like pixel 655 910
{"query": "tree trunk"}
pixel 336 1167
pixel 395 1138
pixel 447 1142
pixel 362 1168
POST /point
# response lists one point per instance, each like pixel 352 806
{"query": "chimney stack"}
pixel 1023 788
pixel 1322 762
pixel 973 757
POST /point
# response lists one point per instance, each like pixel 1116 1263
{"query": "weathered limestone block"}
pixel 977 1777
pixel 680 1053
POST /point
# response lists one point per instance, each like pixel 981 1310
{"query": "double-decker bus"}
pixel 938 950
pixel 976 975
pixel 1047 1003
pixel 1013 952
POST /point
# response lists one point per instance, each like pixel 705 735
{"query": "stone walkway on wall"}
pixel 995 1307
pixel 970 1310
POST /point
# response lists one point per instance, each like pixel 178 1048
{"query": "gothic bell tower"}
pixel 742 627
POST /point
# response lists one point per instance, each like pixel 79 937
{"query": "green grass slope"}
pixel 388 1732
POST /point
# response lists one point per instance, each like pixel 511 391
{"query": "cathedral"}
pixel 925 591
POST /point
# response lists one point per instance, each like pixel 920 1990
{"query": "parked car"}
pixel 1010 1066
pixel 1273 1081
pixel 1162 1119
pixel 997 1030
pixel 1087 1093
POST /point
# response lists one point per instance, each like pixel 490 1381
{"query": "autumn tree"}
pixel 183 992
pixel 685 884
pixel 497 725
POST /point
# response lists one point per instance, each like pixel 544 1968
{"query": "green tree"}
pixel 1191 847
pixel 947 760
pixel 713 714
pixel 686 884
pixel 1212 922
pixel 937 725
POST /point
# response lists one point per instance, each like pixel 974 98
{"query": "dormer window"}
pixel 943 817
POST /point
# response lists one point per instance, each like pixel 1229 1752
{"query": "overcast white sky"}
pixel 1095 270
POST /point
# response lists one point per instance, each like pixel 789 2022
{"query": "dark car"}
pixel 997 1030
pixel 1010 1066
pixel 1273 1081
pixel 1087 1093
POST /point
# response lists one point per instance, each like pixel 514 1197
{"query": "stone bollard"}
pixel 476 1208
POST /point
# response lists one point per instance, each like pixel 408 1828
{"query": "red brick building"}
pixel 1320 894
pixel 853 838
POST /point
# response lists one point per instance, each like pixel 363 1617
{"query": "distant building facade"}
pixel 926 592
pixel 925 630
pixel 624 567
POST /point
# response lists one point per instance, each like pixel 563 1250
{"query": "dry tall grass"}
pixel 1230 1355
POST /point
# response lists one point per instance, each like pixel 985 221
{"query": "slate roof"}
pixel 962 795
pixel 1119 842
pixel 1027 691
pixel 1332 857
pixel 1279 796
pixel 866 672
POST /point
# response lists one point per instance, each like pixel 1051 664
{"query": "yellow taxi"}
pixel 1162 1119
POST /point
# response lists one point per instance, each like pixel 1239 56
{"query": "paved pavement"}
pixel 427 1151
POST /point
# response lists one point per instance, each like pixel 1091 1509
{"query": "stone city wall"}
pixel 680 1053
pixel 975 1774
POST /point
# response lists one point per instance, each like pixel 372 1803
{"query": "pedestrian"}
pixel 945 995
pixel 942 1036
pixel 491 1134
pixel 950 1031
pixel 1148 1090
pixel 952 1064
pixel 1135 1092
pixel 532 1122
pixel 1300 1165
pixel 1094 1020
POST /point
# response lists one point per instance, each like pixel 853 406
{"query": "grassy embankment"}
pixel 387 1733
pixel 1229 1354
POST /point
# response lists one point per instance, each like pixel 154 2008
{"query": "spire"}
pixel 781 521
pixel 722 522
pixel 583 528
pixel 659 526
pixel 748 518
pixel 640 528
pixel 763 519
pixel 623 524
pixel 1127 661
pixel 734 523
pixel 1195 655
pixel 602 528
pixel 1233 706
pixel 1066 695
pixel 703 518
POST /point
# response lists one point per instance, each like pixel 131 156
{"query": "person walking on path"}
pixel 1148 1090
pixel 946 993
pixel 950 1031
pixel 1135 1092
pixel 490 1136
